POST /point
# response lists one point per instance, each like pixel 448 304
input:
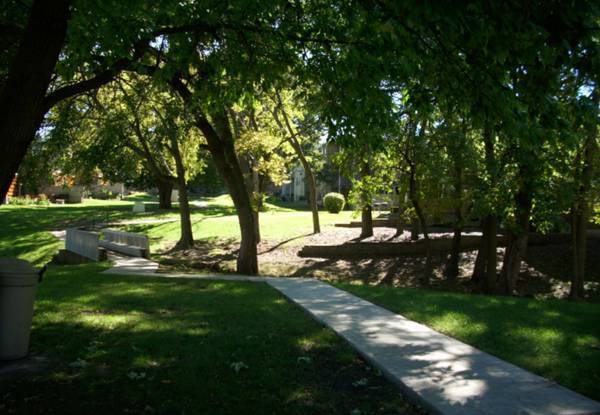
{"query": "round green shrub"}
pixel 334 202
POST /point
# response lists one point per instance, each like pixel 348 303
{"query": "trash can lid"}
pixel 14 266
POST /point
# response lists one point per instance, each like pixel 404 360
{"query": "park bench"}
pixel 127 243
pixel 380 205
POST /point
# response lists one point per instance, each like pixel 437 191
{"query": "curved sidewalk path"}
pixel 443 374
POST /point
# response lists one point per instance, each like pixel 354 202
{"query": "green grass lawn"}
pixel 216 218
pixel 153 345
pixel 274 224
pixel 24 230
pixel 557 339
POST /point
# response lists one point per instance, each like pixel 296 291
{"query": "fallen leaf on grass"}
pixel 360 382
pixel 237 366
pixel 79 363
pixel 136 375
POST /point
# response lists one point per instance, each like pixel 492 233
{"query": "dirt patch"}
pixel 545 271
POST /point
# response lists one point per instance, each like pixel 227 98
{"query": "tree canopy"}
pixel 499 99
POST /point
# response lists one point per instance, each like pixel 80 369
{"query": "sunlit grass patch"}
pixel 554 338
pixel 184 345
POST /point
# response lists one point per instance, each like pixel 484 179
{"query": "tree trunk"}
pixel 491 244
pixel 479 267
pixel 186 240
pixel 484 271
pixel 451 271
pixel 312 199
pixel 257 199
pixel 222 149
pixel 22 107
pixel 428 271
pixel 399 223
pixel 251 180
pixel 516 246
pixel 221 146
pixel 311 183
pixel 581 210
pixel 414 228
pixel 366 222
pixel 165 190
pixel 579 220
pixel 367 210
pixel 308 172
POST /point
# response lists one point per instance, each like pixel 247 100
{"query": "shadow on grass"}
pixel 557 339
pixel 141 197
pixel 278 245
pixel 209 254
pixel 155 345
pixel 24 229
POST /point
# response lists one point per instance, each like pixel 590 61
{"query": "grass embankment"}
pixel 153 345
pixel 557 339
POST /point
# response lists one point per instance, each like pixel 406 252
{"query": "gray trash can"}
pixel 18 282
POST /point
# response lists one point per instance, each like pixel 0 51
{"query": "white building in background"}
pixel 295 188
pixel 299 177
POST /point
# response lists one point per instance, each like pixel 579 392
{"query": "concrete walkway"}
pixel 131 265
pixel 138 222
pixel 444 375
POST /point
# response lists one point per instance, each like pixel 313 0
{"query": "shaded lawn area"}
pixel 559 340
pixel 154 345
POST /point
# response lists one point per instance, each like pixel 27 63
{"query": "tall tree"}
pixel 131 116
pixel 293 136
pixel 583 203
pixel 456 147
pixel 23 92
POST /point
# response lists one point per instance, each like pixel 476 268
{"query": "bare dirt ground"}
pixel 545 271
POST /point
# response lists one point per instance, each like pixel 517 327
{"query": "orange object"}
pixel 13 190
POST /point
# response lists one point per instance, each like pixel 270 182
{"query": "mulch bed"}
pixel 545 272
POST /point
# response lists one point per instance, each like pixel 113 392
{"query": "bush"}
pixel 41 200
pixel 21 201
pixel 104 194
pixel 334 202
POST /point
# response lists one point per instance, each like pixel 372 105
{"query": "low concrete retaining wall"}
pixel 377 223
pixel 83 243
pixel 394 249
